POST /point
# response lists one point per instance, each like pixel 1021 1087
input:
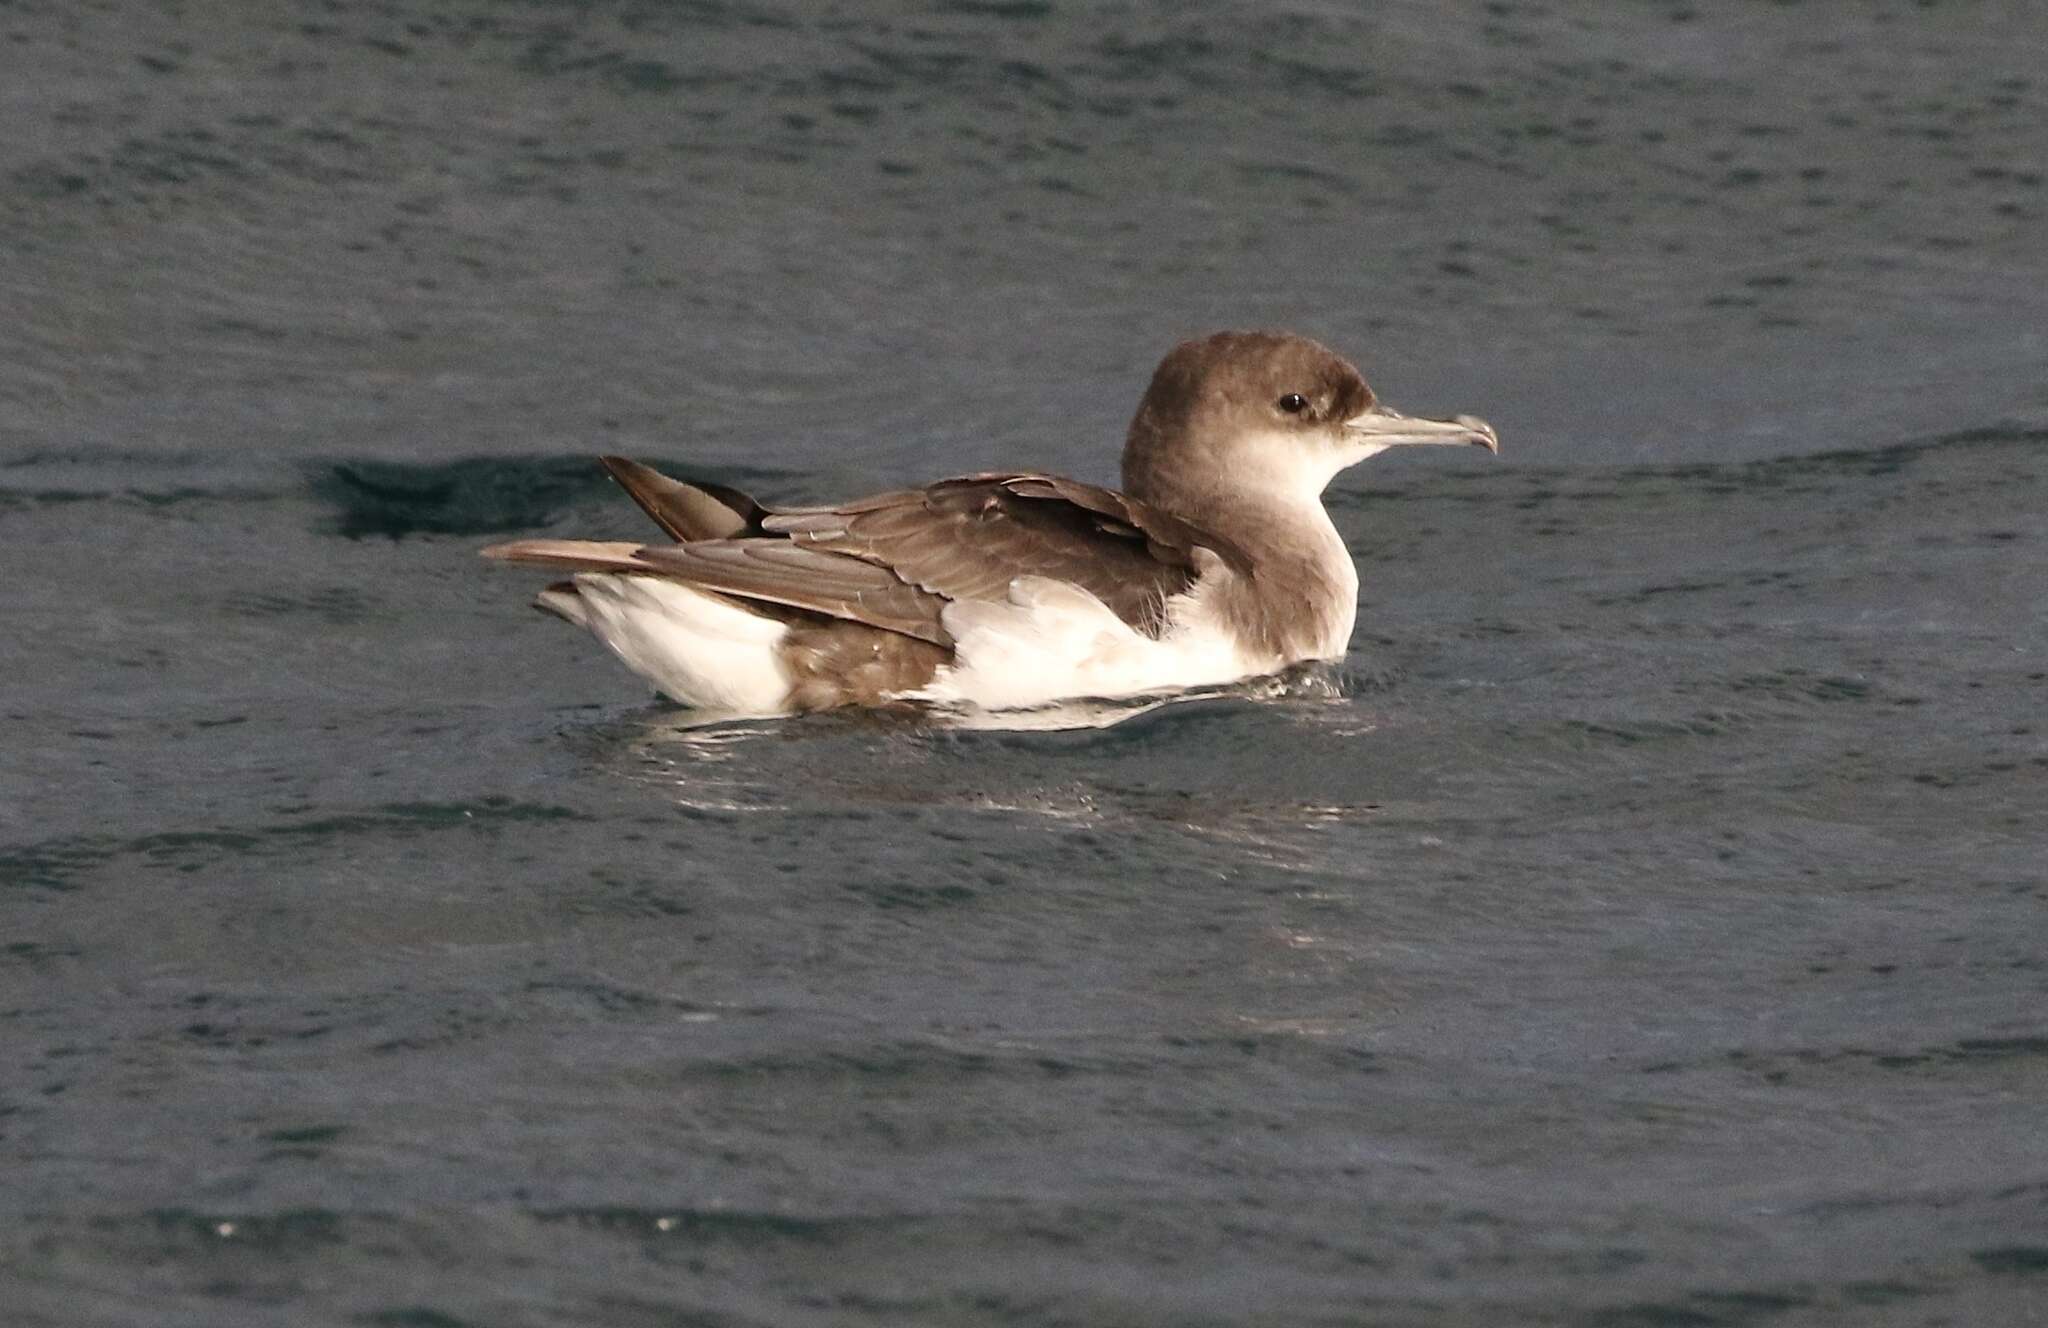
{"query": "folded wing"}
pixel 968 538
pixel 894 560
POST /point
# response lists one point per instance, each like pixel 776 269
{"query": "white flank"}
pixel 697 648
pixel 1051 640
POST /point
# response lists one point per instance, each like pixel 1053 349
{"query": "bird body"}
pixel 1215 562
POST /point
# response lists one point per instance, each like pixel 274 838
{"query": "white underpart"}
pixel 1344 571
pixel 697 648
pixel 1050 640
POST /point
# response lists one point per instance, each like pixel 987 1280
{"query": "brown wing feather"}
pixel 686 511
pixel 966 538
pixel 576 555
pixel 893 560
pixel 780 572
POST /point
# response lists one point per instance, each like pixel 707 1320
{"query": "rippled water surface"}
pixel 1644 926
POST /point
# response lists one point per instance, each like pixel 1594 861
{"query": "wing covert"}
pixel 968 538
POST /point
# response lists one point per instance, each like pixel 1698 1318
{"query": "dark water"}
pixel 1649 932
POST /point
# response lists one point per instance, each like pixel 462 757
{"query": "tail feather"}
pixel 561 600
pixel 717 647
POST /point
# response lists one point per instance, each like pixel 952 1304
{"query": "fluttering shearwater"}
pixel 1017 588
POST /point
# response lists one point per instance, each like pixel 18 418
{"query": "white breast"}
pixel 1050 640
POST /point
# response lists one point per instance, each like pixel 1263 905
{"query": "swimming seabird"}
pixel 1215 562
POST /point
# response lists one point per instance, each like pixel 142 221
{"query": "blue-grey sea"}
pixel 1647 927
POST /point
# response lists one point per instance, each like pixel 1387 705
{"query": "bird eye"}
pixel 1293 403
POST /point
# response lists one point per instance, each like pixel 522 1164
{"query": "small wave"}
pixel 57 864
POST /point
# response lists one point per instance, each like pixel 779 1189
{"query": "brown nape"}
pixel 832 662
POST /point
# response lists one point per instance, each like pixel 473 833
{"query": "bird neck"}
pixel 1301 598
